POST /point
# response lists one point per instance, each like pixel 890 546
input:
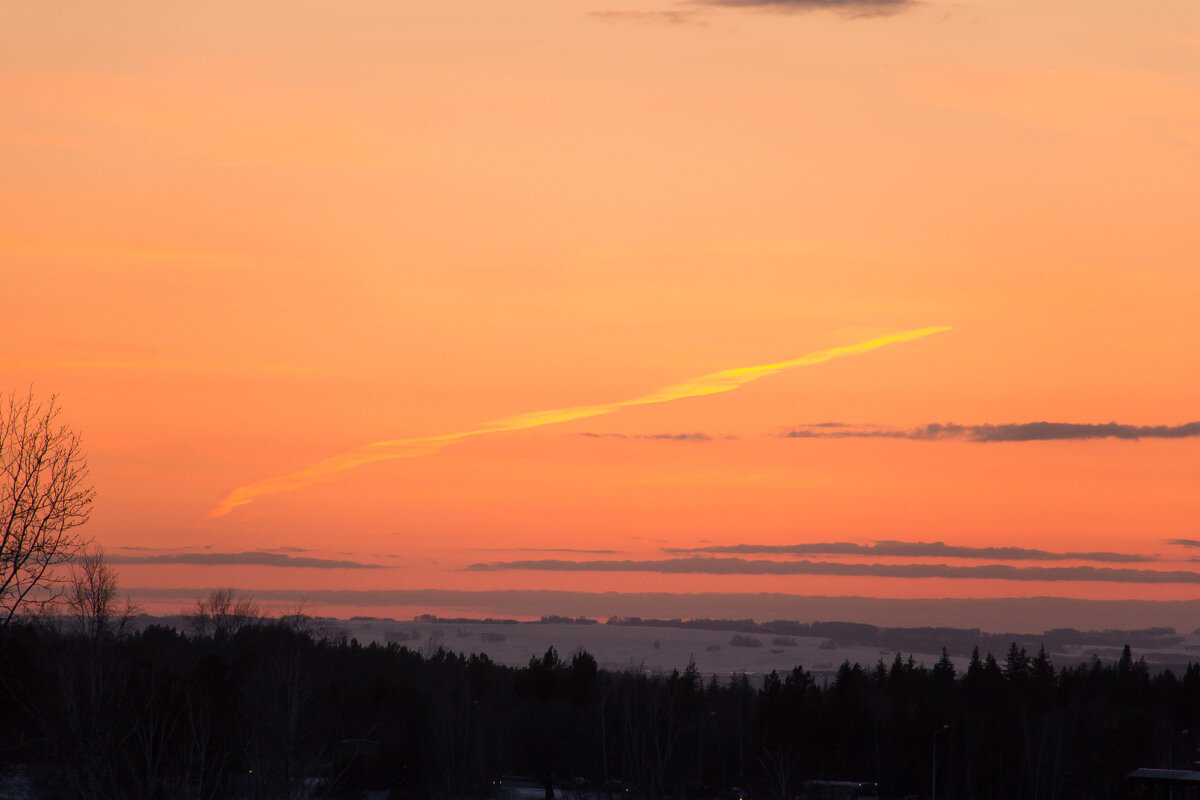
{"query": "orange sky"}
pixel 240 239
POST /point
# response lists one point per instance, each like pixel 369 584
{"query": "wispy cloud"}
pixel 742 566
pixel 126 250
pixel 149 365
pixel 678 437
pixel 889 547
pixel 853 8
pixel 713 383
pixel 136 549
pixel 669 16
pixel 662 437
pixel 256 558
pixel 694 12
pixel 1183 542
pixel 562 550
pixel 1007 432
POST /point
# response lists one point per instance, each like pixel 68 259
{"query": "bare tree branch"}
pixel 92 597
pixel 223 613
pixel 45 495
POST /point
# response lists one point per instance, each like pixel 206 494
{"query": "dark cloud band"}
pixel 1009 432
pixel 744 566
pixel 889 547
pixel 255 558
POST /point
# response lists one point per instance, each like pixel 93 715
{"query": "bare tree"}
pixel 223 613
pixel 45 495
pixel 92 596
pixel 779 764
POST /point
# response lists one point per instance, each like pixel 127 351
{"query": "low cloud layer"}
pixel 744 566
pixel 1008 432
pixel 256 558
pixel 994 614
pixel 888 547
pixel 1183 542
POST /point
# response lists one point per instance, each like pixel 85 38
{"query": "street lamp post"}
pixel 936 734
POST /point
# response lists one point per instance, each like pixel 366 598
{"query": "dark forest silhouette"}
pixel 269 709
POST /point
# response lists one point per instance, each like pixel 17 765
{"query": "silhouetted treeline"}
pixel 272 711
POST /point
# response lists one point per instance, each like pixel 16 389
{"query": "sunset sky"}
pixel 328 289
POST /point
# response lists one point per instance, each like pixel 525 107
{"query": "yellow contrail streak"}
pixel 723 381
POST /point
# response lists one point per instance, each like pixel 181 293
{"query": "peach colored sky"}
pixel 237 239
